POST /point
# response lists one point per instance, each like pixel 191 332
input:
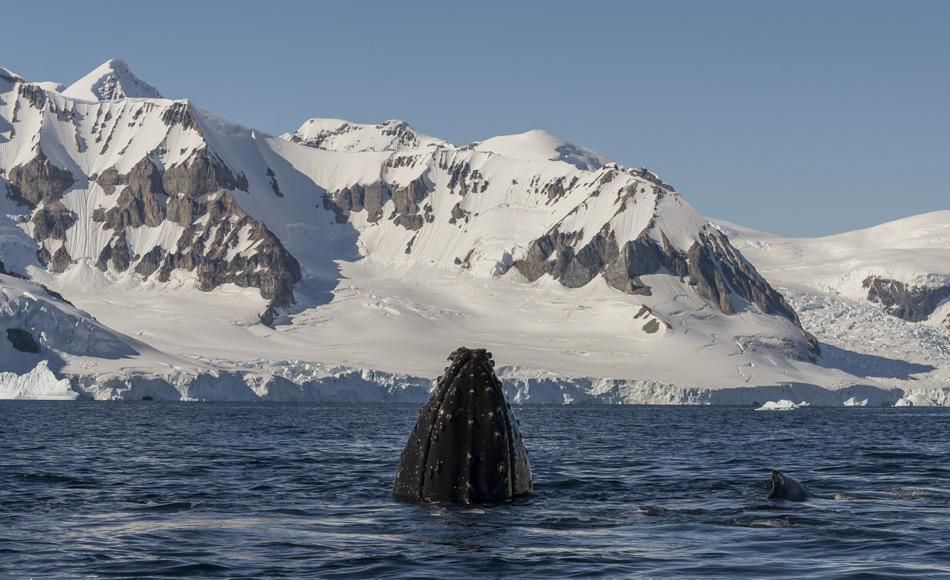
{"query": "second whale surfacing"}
pixel 784 487
pixel 465 446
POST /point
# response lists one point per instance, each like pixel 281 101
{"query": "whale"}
pixel 466 446
pixel 784 487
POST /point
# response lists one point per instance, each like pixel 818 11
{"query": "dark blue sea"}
pixel 179 489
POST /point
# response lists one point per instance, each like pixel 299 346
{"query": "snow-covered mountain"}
pixel 357 246
pixel 111 81
pixel 881 292
pixel 904 265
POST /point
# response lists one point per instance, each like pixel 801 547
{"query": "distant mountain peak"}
pixel 542 145
pixel 111 81
pixel 340 135
pixel 8 75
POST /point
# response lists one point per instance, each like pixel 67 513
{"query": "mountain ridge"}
pixel 358 230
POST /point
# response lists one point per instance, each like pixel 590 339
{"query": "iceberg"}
pixel 782 405
pixel 38 384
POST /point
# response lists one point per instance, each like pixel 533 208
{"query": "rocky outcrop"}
pixel 273 183
pixel 51 221
pixel 107 180
pixel 22 340
pixel 912 303
pixel 717 269
pixel 554 254
pixel 406 202
pixel 640 257
pixel 220 243
pixel 372 197
pixel 38 181
pixel 149 262
pixel 117 253
pixel 356 198
pixel 210 248
pixel 142 201
pixel 180 114
pixel 712 266
pixel 34 95
pixel 201 174
pixel 459 214
pixel 56 262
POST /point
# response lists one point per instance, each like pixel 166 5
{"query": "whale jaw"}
pixel 465 446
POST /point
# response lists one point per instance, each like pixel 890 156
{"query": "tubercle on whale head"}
pixel 465 446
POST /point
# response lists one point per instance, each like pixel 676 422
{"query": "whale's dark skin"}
pixel 784 487
pixel 465 446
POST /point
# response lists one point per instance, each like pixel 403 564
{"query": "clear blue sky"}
pixel 804 117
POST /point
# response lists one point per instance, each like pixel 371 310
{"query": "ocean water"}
pixel 129 489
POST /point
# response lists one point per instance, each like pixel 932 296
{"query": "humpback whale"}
pixel 465 446
pixel 784 487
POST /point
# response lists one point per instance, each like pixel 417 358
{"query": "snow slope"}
pixel 913 250
pixel 823 278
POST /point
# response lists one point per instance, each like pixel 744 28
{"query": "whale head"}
pixel 466 446
pixel 784 487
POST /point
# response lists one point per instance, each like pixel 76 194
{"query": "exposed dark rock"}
pixel 149 262
pixel 652 327
pixel 180 114
pixel 108 180
pixel 43 256
pixel 590 260
pixel 410 222
pixel 273 182
pixel 459 214
pixel 912 303
pixel 554 254
pixel 22 340
pixel 205 250
pixel 406 202
pixel 60 260
pixel 403 134
pixel 555 189
pixel 38 181
pixel 640 257
pixel 181 209
pixel 712 266
pixel 34 95
pixel 734 272
pixel 201 174
pixel 142 201
pixel 117 253
pixel 462 178
pixel 358 197
pixel 51 221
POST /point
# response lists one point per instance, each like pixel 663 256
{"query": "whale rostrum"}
pixel 466 446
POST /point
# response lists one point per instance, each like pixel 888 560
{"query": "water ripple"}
pixel 132 489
